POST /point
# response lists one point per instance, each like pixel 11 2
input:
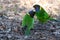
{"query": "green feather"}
pixel 27 21
pixel 42 15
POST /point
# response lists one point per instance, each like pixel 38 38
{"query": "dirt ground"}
pixel 12 13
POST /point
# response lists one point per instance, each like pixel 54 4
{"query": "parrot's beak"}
pixel 32 9
pixel 36 7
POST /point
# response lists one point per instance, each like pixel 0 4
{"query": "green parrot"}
pixel 28 22
pixel 41 14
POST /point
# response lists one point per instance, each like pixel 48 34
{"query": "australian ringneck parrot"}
pixel 41 14
pixel 28 22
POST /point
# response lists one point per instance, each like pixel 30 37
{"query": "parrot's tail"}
pixel 52 19
pixel 27 31
pixel 24 29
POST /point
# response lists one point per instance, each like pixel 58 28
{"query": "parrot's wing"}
pixel 48 17
pixel 45 14
pixel 30 26
pixel 27 20
pixel 42 15
pixel 24 20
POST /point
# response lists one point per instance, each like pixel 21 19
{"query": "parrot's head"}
pixel 36 7
pixel 32 13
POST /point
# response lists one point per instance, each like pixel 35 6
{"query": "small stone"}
pixel 36 32
pixel 8 30
pixel 9 36
pixel 26 37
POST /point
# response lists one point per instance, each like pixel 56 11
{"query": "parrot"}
pixel 41 14
pixel 27 22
